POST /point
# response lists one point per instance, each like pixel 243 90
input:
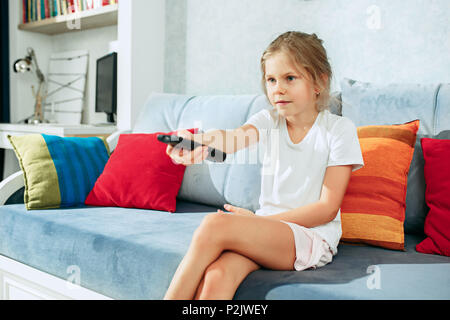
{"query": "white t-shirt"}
pixel 293 174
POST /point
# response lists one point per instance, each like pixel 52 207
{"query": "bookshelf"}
pixel 93 18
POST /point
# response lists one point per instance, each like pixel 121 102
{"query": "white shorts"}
pixel 311 250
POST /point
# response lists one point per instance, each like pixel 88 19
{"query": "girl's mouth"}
pixel 282 103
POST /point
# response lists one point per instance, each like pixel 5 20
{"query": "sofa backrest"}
pixel 369 104
pixel 209 183
pixel 363 103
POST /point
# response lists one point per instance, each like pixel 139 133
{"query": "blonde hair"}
pixel 305 50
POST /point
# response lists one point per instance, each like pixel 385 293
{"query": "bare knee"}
pixel 218 283
pixel 210 231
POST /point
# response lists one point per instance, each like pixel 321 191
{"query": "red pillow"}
pixel 139 174
pixel 436 153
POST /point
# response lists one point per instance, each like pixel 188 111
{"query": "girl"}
pixel 298 223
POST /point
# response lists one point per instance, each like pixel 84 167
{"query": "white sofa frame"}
pixel 21 282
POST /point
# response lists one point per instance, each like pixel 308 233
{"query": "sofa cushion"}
pixel 373 208
pixel 122 253
pixel 210 183
pixel 139 174
pixel 372 104
pixel 133 254
pixel 58 172
pixel 437 176
pixel 358 272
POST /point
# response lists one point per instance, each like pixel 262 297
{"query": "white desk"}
pixel 62 130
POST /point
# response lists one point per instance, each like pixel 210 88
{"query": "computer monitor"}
pixel 106 86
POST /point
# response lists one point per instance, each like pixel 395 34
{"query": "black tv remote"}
pixel 176 141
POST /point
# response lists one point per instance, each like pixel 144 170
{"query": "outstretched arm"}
pixel 228 141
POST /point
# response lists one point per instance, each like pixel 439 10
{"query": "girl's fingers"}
pixel 169 149
pixel 187 157
pixel 195 156
pixel 202 154
pixel 197 153
pixel 175 154
pixel 184 156
pixel 233 209
pixel 191 156
pixel 229 207
pixel 237 210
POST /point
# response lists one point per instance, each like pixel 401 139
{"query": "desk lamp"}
pixel 26 65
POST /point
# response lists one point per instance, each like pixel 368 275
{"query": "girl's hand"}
pixel 237 210
pixel 184 156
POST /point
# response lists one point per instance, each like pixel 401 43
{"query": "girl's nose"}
pixel 280 88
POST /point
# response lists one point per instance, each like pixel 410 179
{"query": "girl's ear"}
pixel 324 81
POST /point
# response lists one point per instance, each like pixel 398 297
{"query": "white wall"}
pixel 216 45
pixel 141 41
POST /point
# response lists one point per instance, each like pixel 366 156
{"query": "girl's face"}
pixel 290 88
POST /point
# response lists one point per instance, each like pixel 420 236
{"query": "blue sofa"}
pixel 133 253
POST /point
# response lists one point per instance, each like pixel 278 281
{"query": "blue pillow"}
pixel 59 172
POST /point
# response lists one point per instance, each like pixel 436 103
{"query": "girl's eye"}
pixel 271 80
pixel 290 78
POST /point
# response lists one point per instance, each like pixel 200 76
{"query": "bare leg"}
pixel 223 276
pixel 267 242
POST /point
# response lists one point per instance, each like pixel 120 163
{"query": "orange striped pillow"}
pixel 373 209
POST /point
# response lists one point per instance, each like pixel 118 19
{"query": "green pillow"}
pixel 59 172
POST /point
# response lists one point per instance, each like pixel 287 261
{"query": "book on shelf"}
pixel 37 10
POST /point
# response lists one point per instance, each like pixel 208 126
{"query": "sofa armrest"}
pixel 10 185
pixel 114 138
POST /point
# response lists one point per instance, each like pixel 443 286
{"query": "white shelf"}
pixel 94 18
pixel 62 130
